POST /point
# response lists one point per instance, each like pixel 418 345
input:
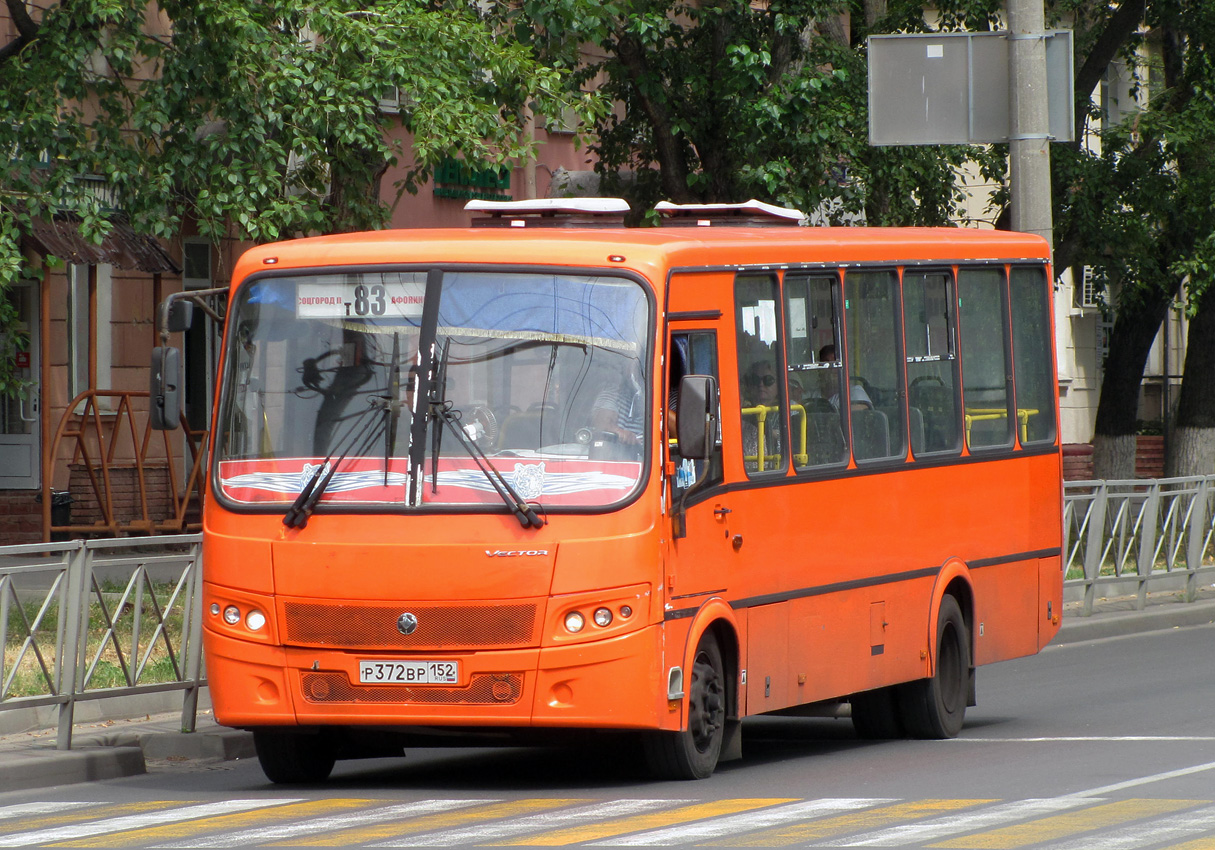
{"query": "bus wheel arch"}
pixel 710 731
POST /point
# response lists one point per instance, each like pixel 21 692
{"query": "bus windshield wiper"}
pixel 525 513
pixel 361 435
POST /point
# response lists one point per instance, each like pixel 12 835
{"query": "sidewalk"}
pixel 116 747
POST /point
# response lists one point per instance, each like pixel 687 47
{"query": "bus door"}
pixel 698 564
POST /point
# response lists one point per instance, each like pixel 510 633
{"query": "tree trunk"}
pixel 1192 449
pixel 1118 408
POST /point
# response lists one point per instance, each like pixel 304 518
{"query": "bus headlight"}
pixel 231 615
pixel 574 621
pixel 602 617
pixel 255 620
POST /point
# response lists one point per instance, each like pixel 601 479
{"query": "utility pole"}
pixel 1029 119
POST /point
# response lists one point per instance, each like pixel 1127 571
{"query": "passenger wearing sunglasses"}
pixel 761 388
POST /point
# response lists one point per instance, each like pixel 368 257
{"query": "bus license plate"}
pixel 409 672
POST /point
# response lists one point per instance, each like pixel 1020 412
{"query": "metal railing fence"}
pixel 1132 536
pixel 84 620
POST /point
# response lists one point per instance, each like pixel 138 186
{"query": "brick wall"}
pixel 86 507
pixel 1149 459
pixel 20 517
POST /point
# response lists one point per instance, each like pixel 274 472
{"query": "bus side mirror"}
pixel 181 316
pixel 697 416
pixel 164 413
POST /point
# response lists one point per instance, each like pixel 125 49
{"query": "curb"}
pixel 1109 624
pixel 114 756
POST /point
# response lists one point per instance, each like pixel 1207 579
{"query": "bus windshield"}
pixel 542 373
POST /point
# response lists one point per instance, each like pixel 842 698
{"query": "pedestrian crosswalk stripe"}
pixel 1067 822
pixel 841 824
pixel 1062 826
pixel 87 811
pixel 456 816
pixel 649 820
pixel 137 821
pixel 1196 844
pixel 329 824
pixel 25 810
pixel 746 822
pixel 1135 836
pixel 270 811
pixel 937 828
pixel 491 833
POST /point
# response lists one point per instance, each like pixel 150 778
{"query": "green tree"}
pixel 1136 208
pixel 729 100
pixel 254 120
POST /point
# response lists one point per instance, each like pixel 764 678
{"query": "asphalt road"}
pixel 1095 745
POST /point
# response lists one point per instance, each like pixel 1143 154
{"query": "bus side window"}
pixel 983 328
pixel 932 361
pixel 815 372
pixel 764 420
pixel 1031 355
pixel 691 353
pixel 874 364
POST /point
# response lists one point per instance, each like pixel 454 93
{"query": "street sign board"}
pixel 952 88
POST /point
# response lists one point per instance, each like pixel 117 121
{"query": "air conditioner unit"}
pixel 1088 293
pixel 390 100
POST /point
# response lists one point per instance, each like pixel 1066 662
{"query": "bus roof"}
pixel 649 249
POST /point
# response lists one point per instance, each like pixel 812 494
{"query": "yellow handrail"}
pixel 760 412
pixel 980 414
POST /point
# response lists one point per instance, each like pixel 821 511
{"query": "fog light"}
pixel 603 617
pixel 231 615
pixel 626 611
pixel 214 609
pixel 574 622
pixel 255 620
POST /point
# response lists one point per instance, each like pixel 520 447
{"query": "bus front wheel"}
pixel 289 758
pixel 693 752
pixel 936 707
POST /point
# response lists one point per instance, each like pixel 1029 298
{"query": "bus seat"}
pixel 870 434
pixel 826 439
pixel 916 417
pixel 936 404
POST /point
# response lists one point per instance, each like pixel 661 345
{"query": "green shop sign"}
pixel 456 179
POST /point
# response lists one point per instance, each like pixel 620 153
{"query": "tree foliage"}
pixel 729 100
pixel 255 120
pixel 1136 207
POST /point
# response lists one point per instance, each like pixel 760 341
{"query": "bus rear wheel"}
pixel 289 758
pixel 936 707
pixel 693 752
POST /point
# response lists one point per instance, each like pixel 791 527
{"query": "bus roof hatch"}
pixel 749 213
pixel 550 212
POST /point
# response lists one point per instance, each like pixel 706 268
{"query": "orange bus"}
pixel 551 473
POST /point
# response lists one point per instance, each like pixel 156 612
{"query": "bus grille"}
pixel 482 689
pixel 466 627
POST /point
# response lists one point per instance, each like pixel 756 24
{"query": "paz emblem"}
pixel 407 623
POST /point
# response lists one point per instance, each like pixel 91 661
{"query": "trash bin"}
pixel 61 512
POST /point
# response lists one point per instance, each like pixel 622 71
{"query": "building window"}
pixel 88 334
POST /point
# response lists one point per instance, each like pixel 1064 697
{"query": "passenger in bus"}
pixel 829 384
pixel 761 389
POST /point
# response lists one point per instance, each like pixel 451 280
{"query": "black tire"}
pixel 693 752
pixel 875 715
pixel 936 707
pixel 289 758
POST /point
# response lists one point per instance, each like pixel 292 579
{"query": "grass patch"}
pixel 113 645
